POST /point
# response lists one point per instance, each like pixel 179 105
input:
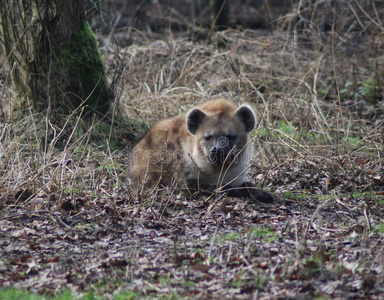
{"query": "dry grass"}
pixel 318 148
pixel 310 101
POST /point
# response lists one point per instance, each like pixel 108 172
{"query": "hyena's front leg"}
pixel 249 191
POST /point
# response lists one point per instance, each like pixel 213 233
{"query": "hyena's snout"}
pixel 222 152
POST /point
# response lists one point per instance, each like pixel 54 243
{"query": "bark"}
pixel 220 14
pixel 53 55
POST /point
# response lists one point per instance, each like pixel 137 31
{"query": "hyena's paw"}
pixel 259 195
pixel 249 191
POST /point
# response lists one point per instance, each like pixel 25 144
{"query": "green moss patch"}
pixel 84 65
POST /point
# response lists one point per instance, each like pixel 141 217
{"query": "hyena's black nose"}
pixel 218 154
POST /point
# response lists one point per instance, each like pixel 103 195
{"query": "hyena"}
pixel 204 150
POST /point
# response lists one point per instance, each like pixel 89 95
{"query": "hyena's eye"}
pixel 208 138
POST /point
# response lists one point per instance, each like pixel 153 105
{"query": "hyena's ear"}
pixel 194 119
pixel 246 115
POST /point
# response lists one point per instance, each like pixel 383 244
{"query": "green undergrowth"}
pixel 264 234
pixel 14 294
pixel 345 195
pixel 380 228
pixel 287 131
pixel 367 89
pixel 324 136
pixel 296 137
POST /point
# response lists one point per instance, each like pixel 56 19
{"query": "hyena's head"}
pixel 221 130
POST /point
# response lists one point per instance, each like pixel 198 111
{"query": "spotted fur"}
pixel 204 149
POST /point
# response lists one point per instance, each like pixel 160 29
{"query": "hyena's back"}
pixel 159 157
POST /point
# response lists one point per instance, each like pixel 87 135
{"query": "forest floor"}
pixel 69 219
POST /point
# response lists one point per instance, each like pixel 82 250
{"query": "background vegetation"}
pixel 71 225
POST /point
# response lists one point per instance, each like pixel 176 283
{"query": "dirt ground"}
pixel 70 220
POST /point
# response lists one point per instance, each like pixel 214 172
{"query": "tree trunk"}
pixel 220 14
pixel 53 55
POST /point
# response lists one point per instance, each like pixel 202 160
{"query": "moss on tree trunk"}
pixel 54 55
pixel 82 61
